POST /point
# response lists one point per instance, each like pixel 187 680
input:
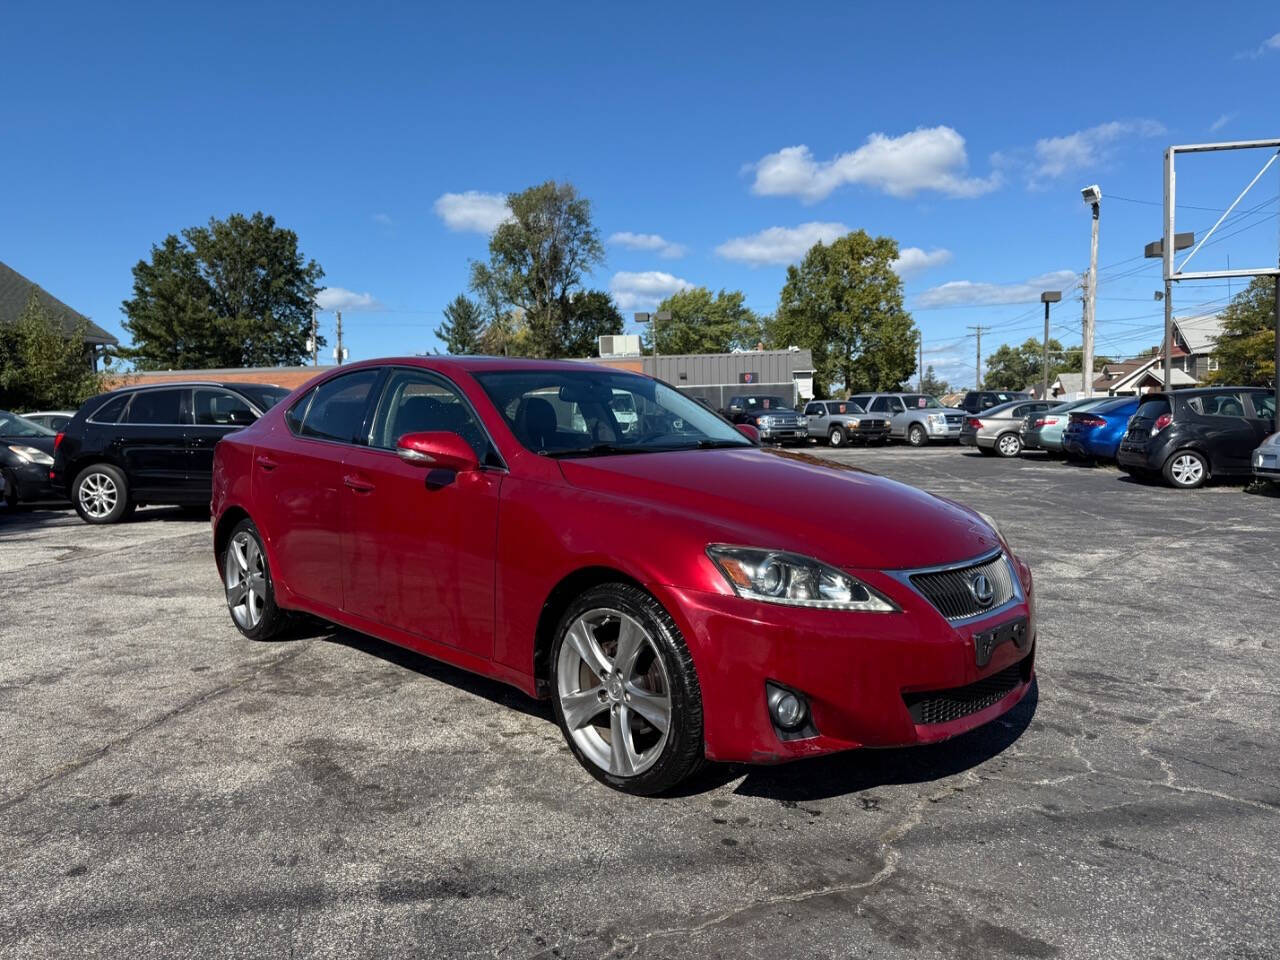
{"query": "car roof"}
pixel 225 384
pixel 1002 407
pixel 1115 403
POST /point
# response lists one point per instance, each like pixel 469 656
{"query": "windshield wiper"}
pixel 720 444
pixel 595 450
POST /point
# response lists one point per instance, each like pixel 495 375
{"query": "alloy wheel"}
pixel 1187 470
pixel 1009 445
pixel 614 692
pixel 98 495
pixel 915 436
pixel 835 437
pixel 246 580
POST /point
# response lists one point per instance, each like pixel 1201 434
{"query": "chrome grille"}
pixel 950 591
pixel 953 419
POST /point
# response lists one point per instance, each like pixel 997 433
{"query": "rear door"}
pixel 1263 415
pixel 1227 429
pixel 151 442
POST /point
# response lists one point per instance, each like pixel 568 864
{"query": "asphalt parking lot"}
pixel 170 788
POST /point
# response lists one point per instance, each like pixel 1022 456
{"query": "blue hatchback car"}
pixel 1095 434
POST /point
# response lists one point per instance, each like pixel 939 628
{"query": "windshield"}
pixel 921 401
pixel 755 404
pixel 12 425
pixel 264 398
pixel 582 413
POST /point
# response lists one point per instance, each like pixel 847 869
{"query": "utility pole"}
pixel 337 353
pixel 921 364
pixel 1048 297
pixel 1093 197
pixel 1276 377
pixel 315 337
pixel 978 367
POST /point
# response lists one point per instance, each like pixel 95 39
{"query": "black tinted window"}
pixel 1152 409
pixel 155 406
pixel 110 411
pixel 1219 405
pixel 1264 405
pixel 335 409
pixel 416 402
pixel 221 408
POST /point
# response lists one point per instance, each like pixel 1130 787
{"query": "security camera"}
pixel 1092 194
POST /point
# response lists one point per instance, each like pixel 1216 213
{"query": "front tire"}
pixel 1008 445
pixel 101 494
pixel 246 578
pixel 836 437
pixel 1186 470
pixel 916 435
pixel 625 692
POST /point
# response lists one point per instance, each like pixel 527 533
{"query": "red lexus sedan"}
pixel 596 537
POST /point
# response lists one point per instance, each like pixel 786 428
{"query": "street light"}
pixel 1048 297
pixel 652 319
pixel 1092 196
pixel 1155 251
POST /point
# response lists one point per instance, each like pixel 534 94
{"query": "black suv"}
pixel 975 401
pixel 1190 435
pixel 775 418
pixel 151 444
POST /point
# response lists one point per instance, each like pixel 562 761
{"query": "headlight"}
pixel 765 422
pixel 854 422
pixel 31 454
pixel 788 578
pixel 937 418
pixel 802 421
pixel 991 522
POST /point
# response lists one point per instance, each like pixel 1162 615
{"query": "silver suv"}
pixel 843 421
pixel 914 417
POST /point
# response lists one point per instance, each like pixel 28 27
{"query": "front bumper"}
pixel 1266 462
pixel 856 670
pixel 31 481
pixel 784 434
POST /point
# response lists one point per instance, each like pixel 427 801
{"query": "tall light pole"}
pixel 652 319
pixel 1093 197
pixel 1155 251
pixel 1048 297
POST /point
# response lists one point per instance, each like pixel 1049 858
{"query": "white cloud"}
pixel 967 292
pixel 913 260
pixel 780 245
pixel 473 211
pixel 1269 45
pixel 633 290
pixel 336 298
pixel 382 219
pixel 930 158
pixel 648 241
pixel 1057 156
pixel 1221 122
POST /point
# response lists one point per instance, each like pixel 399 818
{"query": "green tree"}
pixel 592 315
pixel 844 303
pixel 1246 348
pixel 462 327
pixel 536 262
pixel 506 335
pixel 1012 368
pixel 932 385
pixel 236 293
pixel 702 323
pixel 1071 360
pixel 41 366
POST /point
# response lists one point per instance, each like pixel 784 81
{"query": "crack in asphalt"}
pixel 890 857
pixel 192 703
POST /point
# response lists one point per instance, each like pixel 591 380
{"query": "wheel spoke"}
pixel 236 593
pixel 630 643
pixel 652 706
pixel 258 585
pixel 622 752
pixel 581 708
pixel 585 645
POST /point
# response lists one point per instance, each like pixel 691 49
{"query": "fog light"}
pixel 788 709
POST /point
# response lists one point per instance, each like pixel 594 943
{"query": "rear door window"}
pixel 335 409
pixel 110 411
pixel 1218 405
pixel 157 407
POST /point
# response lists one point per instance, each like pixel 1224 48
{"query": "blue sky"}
pixel 714 141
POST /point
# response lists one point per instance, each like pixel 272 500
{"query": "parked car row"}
pixel 1184 436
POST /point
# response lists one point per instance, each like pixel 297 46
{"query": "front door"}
pixel 420 545
pixel 215 413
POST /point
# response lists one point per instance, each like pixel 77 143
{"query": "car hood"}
pixel 40 443
pixel 793 501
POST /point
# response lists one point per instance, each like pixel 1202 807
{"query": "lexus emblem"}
pixel 982 590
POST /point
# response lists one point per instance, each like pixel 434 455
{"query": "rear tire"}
pixel 836 437
pixel 101 494
pixel 1186 470
pixel 611 692
pixel 916 435
pixel 247 583
pixel 1008 445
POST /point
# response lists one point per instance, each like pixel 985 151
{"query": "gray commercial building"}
pixel 718 376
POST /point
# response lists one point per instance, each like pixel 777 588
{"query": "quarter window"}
pixel 335 409
pixel 414 402
pixel 156 407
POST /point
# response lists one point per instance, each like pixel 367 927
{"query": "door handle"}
pixel 356 484
pixel 266 463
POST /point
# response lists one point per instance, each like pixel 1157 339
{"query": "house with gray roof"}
pixel 16 290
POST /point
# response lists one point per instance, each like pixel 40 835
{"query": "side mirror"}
pixel 437 450
pixel 748 431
